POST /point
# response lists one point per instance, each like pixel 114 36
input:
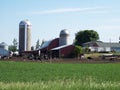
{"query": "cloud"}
pixel 65 10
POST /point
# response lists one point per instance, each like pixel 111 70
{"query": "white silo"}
pixel 4 50
pixel 24 36
pixel 4 45
pixel 64 37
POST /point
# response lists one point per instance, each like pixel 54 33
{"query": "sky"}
pixel 49 17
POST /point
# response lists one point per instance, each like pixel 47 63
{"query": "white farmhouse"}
pixel 99 46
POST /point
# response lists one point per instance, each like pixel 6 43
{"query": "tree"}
pixel 15 43
pixel 86 36
pixel 37 44
pixel 78 51
pixel 43 41
pixel 86 50
pixel 13 47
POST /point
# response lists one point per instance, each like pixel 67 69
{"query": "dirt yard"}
pixel 66 60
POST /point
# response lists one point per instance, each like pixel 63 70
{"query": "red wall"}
pixel 63 51
pixel 54 44
pixel 66 50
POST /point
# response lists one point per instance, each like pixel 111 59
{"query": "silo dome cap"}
pixel 3 44
pixel 64 32
pixel 25 22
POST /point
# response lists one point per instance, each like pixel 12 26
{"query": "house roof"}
pixel 102 44
pixel 114 44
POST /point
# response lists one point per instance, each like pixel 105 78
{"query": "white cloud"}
pixel 64 10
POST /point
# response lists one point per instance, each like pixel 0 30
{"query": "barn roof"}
pixel 45 44
pixel 50 44
pixel 63 46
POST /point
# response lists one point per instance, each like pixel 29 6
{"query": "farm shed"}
pixel 99 46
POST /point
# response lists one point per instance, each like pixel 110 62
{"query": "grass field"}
pixel 50 76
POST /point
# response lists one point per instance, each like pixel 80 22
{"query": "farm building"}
pixel 48 45
pixel 59 47
pixel 60 44
pixel 62 51
pixel 24 36
pixel 4 50
pixel 99 46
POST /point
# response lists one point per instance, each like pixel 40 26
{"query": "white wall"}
pixel 100 49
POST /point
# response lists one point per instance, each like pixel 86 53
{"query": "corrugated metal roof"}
pixel 63 46
pixel 45 44
pixel 103 44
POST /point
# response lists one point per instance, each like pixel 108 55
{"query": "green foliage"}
pixel 45 76
pixel 78 50
pixel 43 41
pixel 86 50
pixel 13 47
pixel 15 43
pixel 86 36
pixel 37 44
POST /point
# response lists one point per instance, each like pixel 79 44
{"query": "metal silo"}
pixel 24 36
pixel 4 45
pixel 64 37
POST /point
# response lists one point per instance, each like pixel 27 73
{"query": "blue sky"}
pixel 49 17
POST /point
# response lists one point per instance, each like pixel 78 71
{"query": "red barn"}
pixel 58 47
pixel 56 50
pixel 48 45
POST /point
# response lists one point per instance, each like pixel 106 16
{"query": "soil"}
pixel 66 60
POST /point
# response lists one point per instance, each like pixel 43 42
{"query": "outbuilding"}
pixel 99 46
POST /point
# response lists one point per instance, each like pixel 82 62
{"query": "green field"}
pixel 50 76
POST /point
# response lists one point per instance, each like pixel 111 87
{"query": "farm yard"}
pixel 59 76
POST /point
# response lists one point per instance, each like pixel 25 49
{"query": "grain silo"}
pixel 24 36
pixel 3 50
pixel 4 45
pixel 64 37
